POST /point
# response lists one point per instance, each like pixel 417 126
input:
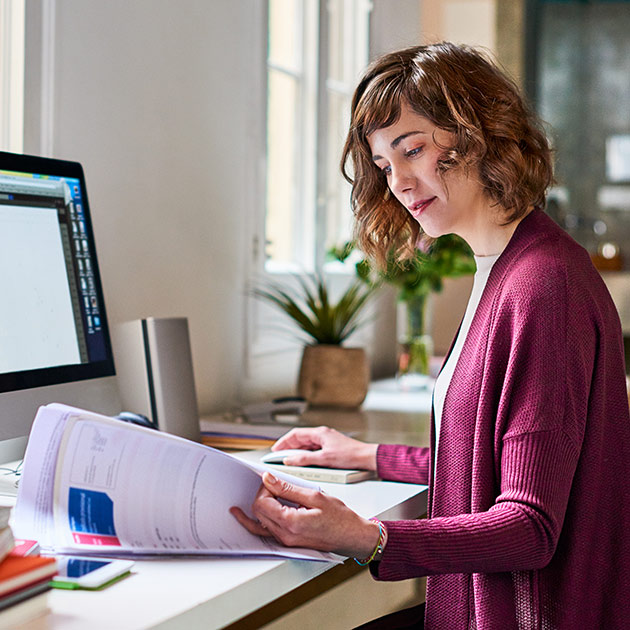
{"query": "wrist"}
pixel 367 457
pixel 376 546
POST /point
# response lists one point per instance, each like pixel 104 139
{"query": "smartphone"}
pixel 80 572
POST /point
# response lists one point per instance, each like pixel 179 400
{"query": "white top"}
pixel 484 266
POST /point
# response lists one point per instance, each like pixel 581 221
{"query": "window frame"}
pixel 12 65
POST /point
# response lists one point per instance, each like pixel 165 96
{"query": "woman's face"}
pixel 407 153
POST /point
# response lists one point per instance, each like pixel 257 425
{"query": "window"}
pixel 316 50
pixel 12 75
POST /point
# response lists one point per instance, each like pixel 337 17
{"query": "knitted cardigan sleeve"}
pixel 409 464
pixel 518 533
pixel 539 379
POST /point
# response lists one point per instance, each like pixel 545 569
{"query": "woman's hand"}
pixel 326 447
pixel 320 522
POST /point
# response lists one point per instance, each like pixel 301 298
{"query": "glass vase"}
pixel 415 347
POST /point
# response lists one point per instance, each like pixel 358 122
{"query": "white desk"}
pixel 208 592
pixel 214 593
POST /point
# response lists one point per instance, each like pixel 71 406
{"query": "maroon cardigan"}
pixel 529 513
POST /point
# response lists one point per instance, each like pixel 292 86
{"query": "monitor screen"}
pixel 53 327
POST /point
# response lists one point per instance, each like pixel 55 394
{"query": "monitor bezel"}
pixel 41 377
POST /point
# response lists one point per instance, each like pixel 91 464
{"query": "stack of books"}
pixel 6 535
pixel 239 436
pixel 23 575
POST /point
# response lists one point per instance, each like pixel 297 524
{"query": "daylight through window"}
pixel 316 53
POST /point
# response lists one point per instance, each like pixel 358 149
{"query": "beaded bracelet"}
pixel 380 545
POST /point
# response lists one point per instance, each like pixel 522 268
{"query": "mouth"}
pixel 418 207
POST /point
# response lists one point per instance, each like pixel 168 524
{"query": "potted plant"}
pixel 330 374
pixel 416 279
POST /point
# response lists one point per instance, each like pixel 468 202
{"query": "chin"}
pixel 432 231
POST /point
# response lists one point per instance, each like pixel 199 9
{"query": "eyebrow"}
pixel 396 141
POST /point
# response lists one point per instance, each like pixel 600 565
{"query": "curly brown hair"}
pixel 459 90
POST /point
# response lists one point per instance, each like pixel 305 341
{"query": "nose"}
pixel 401 180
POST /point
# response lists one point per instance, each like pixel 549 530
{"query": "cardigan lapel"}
pixel 451 488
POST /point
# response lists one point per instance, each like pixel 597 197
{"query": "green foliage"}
pixel 310 307
pixel 447 256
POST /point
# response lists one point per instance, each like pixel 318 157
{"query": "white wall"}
pixel 161 102
pixel 154 98
pixel 394 24
pixel 461 21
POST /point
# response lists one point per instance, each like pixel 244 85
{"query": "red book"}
pixel 17 572
pixel 25 548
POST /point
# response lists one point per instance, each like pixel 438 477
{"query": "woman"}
pixel 528 475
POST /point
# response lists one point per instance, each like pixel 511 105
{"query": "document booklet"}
pixel 95 485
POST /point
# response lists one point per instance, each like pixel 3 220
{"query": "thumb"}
pixel 282 489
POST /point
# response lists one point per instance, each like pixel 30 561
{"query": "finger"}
pixel 280 521
pixel 282 441
pixel 279 488
pixel 298 438
pixel 252 526
pixel 308 458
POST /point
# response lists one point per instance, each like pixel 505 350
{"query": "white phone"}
pixel 82 572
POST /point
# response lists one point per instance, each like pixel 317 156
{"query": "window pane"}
pixel 308 201
pixel 347 57
pixel 282 173
pixel 338 210
pixel 335 40
pixel 348 41
pixel 284 19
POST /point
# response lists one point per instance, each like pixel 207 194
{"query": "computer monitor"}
pixel 54 338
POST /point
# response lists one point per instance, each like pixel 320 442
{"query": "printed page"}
pixel 125 489
pixel 33 513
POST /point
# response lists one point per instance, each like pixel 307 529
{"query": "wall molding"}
pixel 47 101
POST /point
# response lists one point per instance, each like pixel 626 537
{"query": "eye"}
pixel 414 152
pixel 386 170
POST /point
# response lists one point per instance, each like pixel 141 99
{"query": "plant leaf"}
pixel 310 307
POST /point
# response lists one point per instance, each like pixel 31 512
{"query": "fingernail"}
pixel 271 479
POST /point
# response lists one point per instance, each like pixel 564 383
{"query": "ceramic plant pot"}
pixel 333 376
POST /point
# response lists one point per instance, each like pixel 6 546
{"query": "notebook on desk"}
pixel 326 475
pixel 310 473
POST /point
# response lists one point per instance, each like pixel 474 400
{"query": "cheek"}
pixel 393 194
pixel 438 176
